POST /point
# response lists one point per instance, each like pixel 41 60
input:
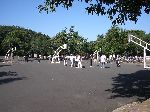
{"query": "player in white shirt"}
pixel 79 59
pixel 72 58
pixel 103 61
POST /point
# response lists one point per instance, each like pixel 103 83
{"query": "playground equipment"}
pixel 55 58
pixel 145 45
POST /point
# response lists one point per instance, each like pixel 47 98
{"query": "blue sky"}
pixel 25 14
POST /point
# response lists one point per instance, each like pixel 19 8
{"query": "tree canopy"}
pixel 115 41
pixel 118 11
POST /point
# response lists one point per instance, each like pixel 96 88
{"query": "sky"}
pixel 24 13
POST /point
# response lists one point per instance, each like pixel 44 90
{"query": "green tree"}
pixel 4 30
pixel 118 11
pixel 11 40
pixel 92 47
pixel 60 39
pixel 100 42
pixel 114 42
pixel 40 45
pixel 75 43
pixel 14 36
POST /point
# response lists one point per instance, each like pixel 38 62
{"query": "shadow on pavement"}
pixel 2 74
pixel 8 77
pixel 1 60
pixel 4 65
pixel 131 85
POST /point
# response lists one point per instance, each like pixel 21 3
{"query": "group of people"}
pixel 76 61
pixel 102 59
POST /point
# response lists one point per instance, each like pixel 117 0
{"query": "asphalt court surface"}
pixel 46 87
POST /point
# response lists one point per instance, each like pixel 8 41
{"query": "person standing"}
pixel 91 60
pixel 103 61
pixel 79 59
pixel 118 61
pixel 65 61
pixel 72 60
pixel 110 58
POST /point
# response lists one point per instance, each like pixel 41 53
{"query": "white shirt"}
pixel 110 56
pixel 103 58
pixel 71 58
pixel 78 58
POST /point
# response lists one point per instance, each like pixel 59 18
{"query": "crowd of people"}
pixel 76 60
pixel 102 60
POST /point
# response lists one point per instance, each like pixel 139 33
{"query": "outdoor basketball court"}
pixel 46 87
